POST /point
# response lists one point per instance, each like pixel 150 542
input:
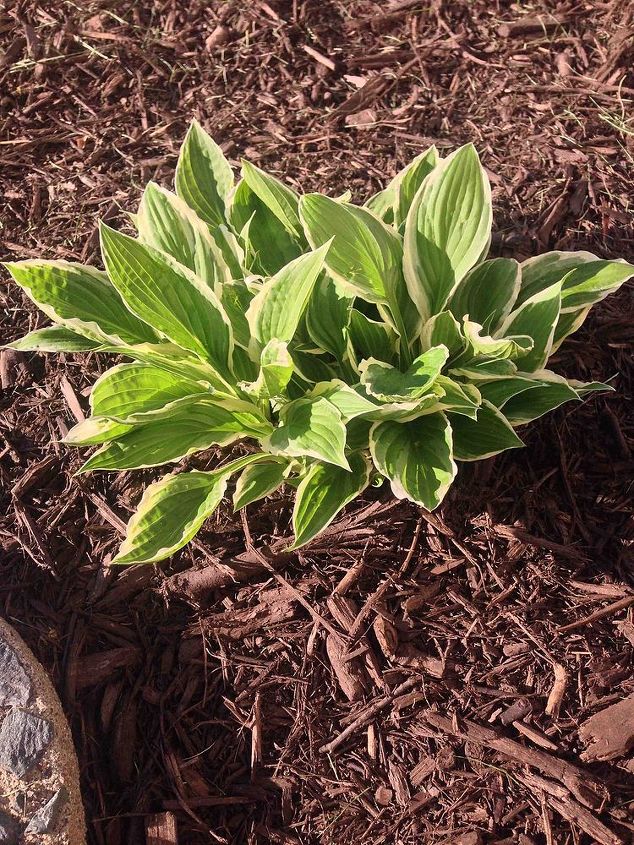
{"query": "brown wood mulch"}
pixel 463 677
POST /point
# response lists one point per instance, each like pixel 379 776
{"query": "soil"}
pixel 410 677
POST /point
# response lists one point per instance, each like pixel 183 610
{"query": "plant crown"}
pixel 342 343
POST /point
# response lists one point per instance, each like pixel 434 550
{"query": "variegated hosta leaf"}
pixel 53 339
pixel 328 316
pixel 95 431
pixel 479 346
pixel 537 318
pixel 281 201
pixel 268 244
pixel 350 402
pixel 128 390
pixel 193 424
pixel 173 509
pixel 489 434
pixel 322 494
pixel 275 311
pixel 550 392
pixel 458 398
pixel 310 428
pixel 592 282
pixel 170 297
pixel 443 329
pixel 487 293
pixel 388 384
pixel 447 230
pixel 371 338
pixel 204 178
pixel 567 324
pixel 498 392
pixel 258 481
pixel 585 388
pixel 167 223
pixel 276 369
pixel 416 457
pixel 542 271
pixel 485 370
pixel 393 203
pixel 80 299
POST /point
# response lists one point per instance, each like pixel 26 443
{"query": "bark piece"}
pixel 609 734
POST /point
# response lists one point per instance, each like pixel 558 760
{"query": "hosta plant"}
pixel 341 343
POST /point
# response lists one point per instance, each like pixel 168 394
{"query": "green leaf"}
pixel 204 178
pixel 236 298
pixel 194 423
pixel 393 203
pixel 483 346
pixel 487 293
pixel 276 196
pixel 370 338
pixel 258 481
pixel 53 339
pixel 389 384
pixel 169 296
pixel 168 224
pixel 585 388
pixel 592 282
pixel 537 318
pixel 529 405
pixel 268 245
pixel 567 324
pixel 310 428
pixel 483 437
pixel 275 311
pixel 458 398
pixel 350 402
pixel 443 329
pixel 81 299
pixel 127 390
pixel 486 370
pixel 94 431
pixel 328 315
pixel 322 494
pixel 447 230
pixel 172 511
pixel 498 392
pixel 416 457
pixel 543 271
pixel 276 369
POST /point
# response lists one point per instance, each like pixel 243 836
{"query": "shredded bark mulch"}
pixel 457 677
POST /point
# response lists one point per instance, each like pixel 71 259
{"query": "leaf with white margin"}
pixel 258 481
pixel 483 346
pixel 95 431
pixel 537 318
pixel 53 339
pixel 489 434
pixel 487 293
pixel 416 457
pixel 328 315
pixel 192 424
pixel 322 494
pixel 172 511
pixel 447 230
pixel 204 178
pixel 388 384
pixel 276 196
pixel 568 324
pixel 544 270
pixel 551 392
pixel 167 223
pixel 393 202
pixel 170 297
pixel 276 369
pixel 310 428
pixel 129 389
pixel 371 338
pixel 458 398
pixel 592 282
pixel 81 299
pixel 443 329
pixel 350 402
pixel 275 311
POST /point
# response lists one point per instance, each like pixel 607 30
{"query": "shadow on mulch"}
pixel 412 678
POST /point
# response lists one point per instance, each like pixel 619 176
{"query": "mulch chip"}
pixel 451 677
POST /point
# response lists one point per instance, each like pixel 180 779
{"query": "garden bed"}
pixel 216 688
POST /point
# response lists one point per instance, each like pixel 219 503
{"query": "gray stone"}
pixel 15 684
pixel 23 739
pixel 9 830
pixel 43 821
